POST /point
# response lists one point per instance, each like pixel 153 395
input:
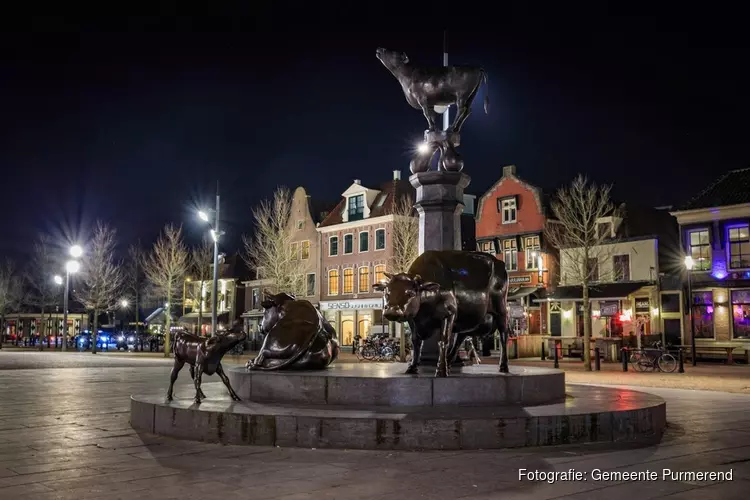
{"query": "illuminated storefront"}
pixel 352 318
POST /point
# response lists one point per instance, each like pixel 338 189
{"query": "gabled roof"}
pixel 640 221
pixel 382 204
pixel 732 188
pixel 509 173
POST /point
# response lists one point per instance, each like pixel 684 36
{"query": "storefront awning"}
pixel 519 292
pixel 600 291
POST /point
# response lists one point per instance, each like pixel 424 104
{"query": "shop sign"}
pixel 350 305
pixel 609 308
pixel 642 305
pixel 520 279
pixel 515 311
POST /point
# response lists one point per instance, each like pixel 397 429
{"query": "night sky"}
pixel 134 121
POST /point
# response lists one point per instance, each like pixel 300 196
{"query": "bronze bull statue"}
pixel 298 337
pixel 204 356
pixel 452 294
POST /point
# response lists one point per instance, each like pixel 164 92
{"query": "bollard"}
pixel 597 360
pixel 543 356
pixel 681 357
pixel 624 355
pixel 557 361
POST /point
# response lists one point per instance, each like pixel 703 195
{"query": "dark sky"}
pixel 133 121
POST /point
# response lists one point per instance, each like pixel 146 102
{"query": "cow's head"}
pixel 403 294
pixel 223 342
pixel 392 59
pixel 273 309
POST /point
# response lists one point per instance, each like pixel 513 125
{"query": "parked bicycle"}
pixel 380 348
pixel 654 358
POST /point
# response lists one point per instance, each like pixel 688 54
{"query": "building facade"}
pixel 715 232
pixel 510 223
pixel 356 250
pixel 29 325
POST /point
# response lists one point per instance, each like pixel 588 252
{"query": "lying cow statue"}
pixel 204 356
pixel 454 295
pixel 298 337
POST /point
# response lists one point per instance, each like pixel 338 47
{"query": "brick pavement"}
pixel 64 434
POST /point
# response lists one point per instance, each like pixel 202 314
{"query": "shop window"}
pixel 739 247
pixel 333 246
pixel 703 314
pixel 347 331
pixel 379 273
pixel 531 246
pixel 510 255
pixel 333 282
pixel 348 281
pixel 380 239
pixel 305 249
pixel 364 241
pixel 741 314
pixel 700 249
pixel 621 264
pixel 363 327
pixel 348 244
pixel 508 207
pixel 364 279
pixel 310 284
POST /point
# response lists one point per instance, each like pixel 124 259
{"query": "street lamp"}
pixel 423 148
pixel 124 303
pixel 215 235
pixel 689 264
pixel 71 267
pixel 76 251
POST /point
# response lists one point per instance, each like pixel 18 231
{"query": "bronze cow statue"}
pixel 298 337
pixel 452 294
pixel 426 88
pixel 204 356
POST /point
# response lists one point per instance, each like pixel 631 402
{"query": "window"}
pixel 256 299
pixel 621 265
pixel 593 269
pixel 379 273
pixel 310 284
pixel 703 314
pixel 531 246
pixel 305 249
pixel 356 207
pixel 348 244
pixel 333 282
pixel 739 247
pixel 300 225
pixel 348 281
pixel 364 279
pixel 294 251
pixel 700 249
pixel 364 241
pixel 510 255
pixel 741 314
pixel 670 302
pixel 508 208
pixel 333 246
pixel 379 239
pixel 487 247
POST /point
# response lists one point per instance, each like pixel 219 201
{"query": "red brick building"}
pixel 510 224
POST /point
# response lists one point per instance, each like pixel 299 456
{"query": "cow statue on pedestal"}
pixel 452 294
pixel 298 337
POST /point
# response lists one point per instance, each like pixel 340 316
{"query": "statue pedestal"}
pixel 440 202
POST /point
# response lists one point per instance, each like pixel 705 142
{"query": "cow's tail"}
pixel 485 80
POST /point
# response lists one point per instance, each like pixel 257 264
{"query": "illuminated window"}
pixel 487 247
pixel 348 281
pixel 333 282
pixel 700 249
pixel 531 246
pixel 305 249
pixel 364 279
pixel 379 273
pixel 703 314
pixel 739 247
pixel 508 208
pixel 510 255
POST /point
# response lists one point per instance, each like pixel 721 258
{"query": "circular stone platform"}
pixel 588 414
pixel 385 384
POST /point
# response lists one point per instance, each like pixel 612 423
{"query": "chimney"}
pixel 508 171
pixel 397 175
pixel 358 182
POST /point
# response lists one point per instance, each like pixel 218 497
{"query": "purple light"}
pixel 719 269
pixel 710 309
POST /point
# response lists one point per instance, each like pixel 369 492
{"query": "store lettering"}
pixel 520 279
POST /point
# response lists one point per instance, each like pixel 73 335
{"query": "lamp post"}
pixel 215 235
pixel 689 263
pixel 71 267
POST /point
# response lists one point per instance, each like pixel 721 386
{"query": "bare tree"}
pixel 270 248
pixel 584 240
pixel 11 293
pixel 404 235
pixel 103 280
pixel 201 266
pixel 165 269
pixel 135 280
pixel 43 292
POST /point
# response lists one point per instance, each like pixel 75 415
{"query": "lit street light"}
pixel 215 235
pixel 203 215
pixel 423 148
pixel 124 302
pixel 76 251
pixel 689 264
pixel 71 267
pixel 58 279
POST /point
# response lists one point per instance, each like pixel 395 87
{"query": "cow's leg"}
pixel 446 335
pixel 502 328
pixel 430 115
pixel 416 351
pixel 461 115
pixel 225 379
pixel 178 364
pixel 197 381
pixel 192 376
pixel 455 346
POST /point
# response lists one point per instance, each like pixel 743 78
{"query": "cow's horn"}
pixel 417 278
pixel 388 275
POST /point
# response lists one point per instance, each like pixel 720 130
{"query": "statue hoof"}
pixel 504 369
pixel 412 370
pixel 197 401
pixel 236 398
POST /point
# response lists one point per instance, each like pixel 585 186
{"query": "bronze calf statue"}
pixel 298 337
pixel 204 356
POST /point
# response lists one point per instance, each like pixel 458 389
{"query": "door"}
pixel 347 331
pixel 555 324
pixel 673 331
